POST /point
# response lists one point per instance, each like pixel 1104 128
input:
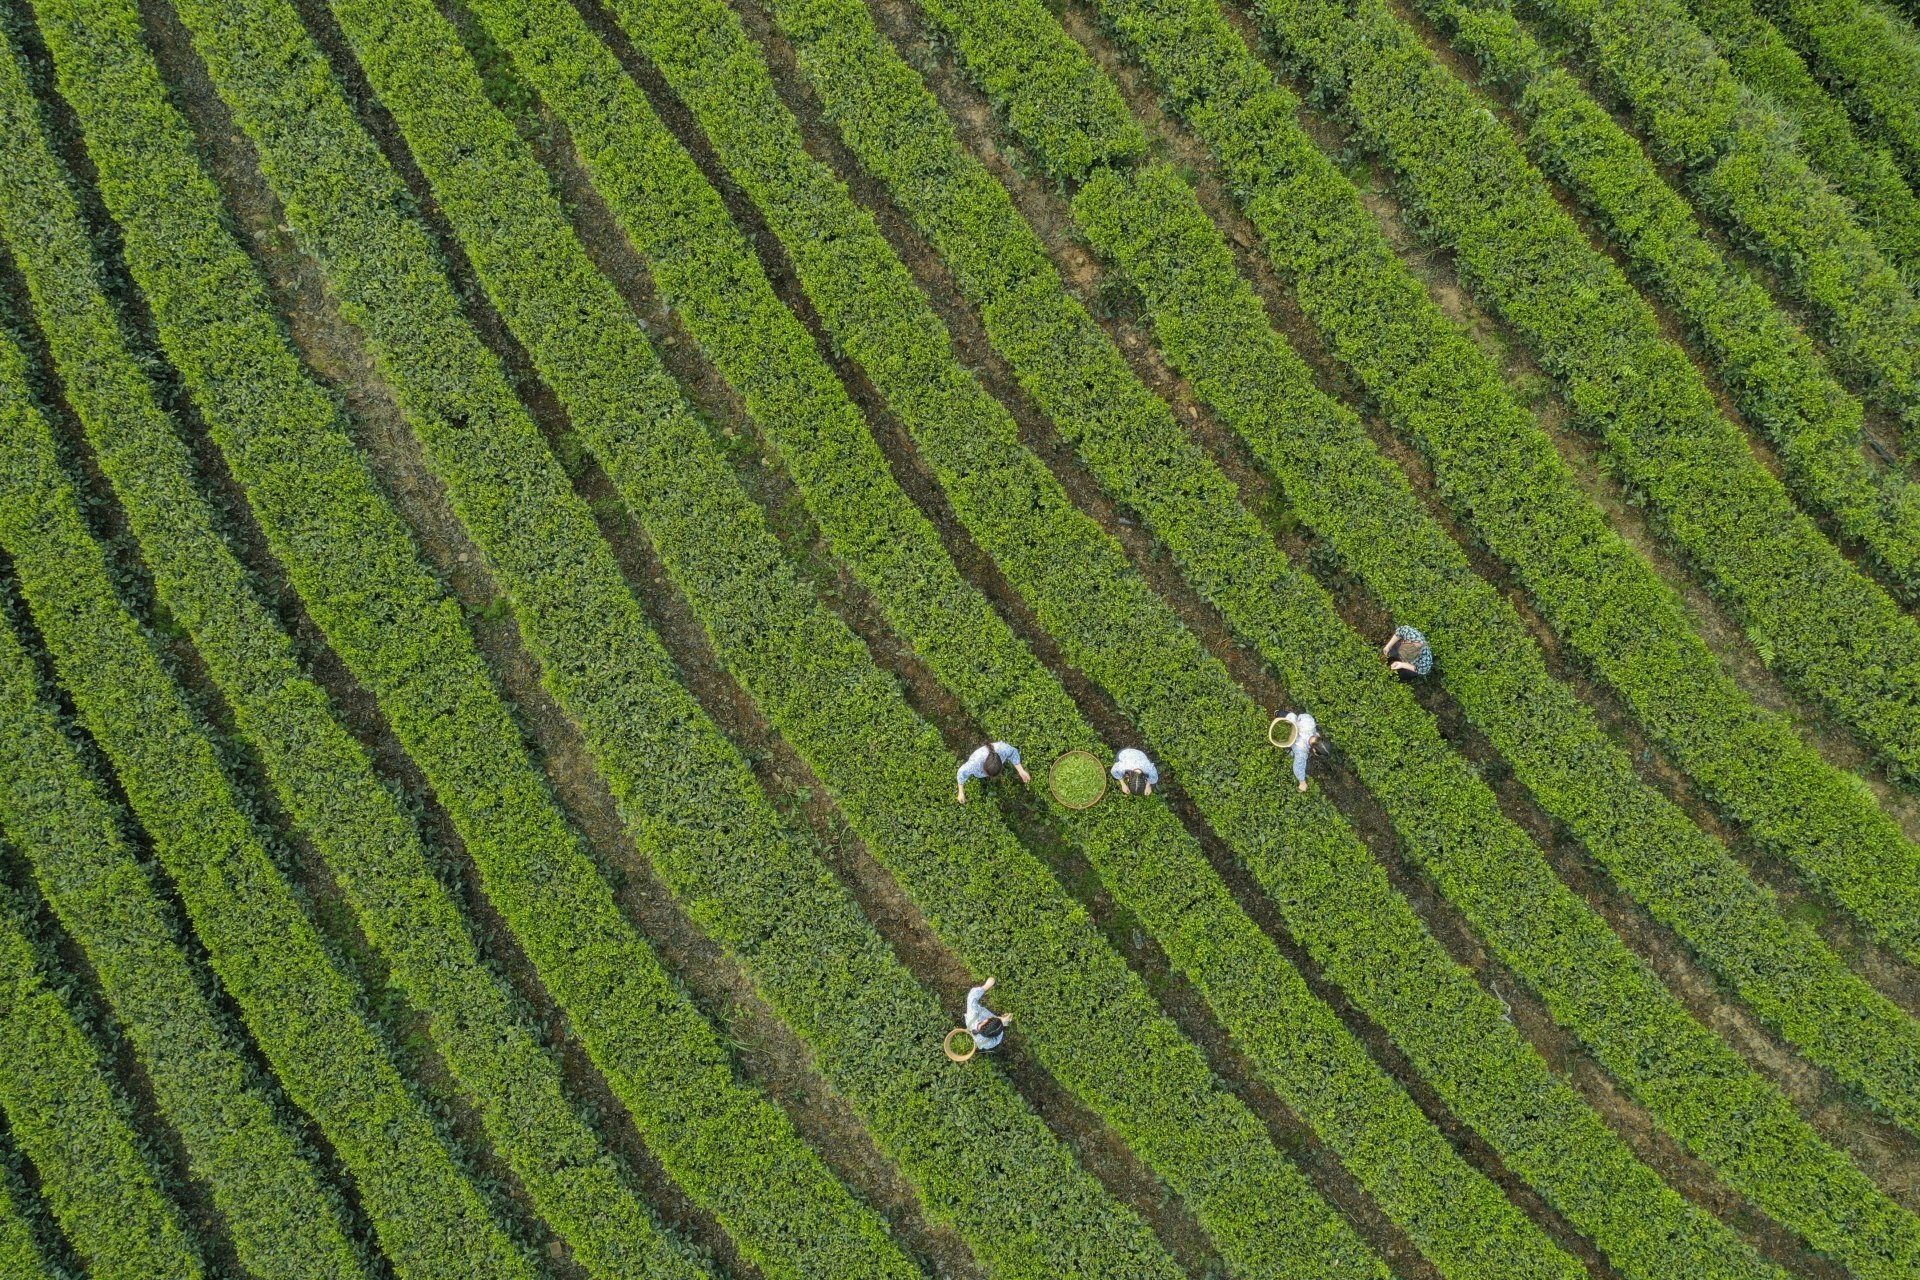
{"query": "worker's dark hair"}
pixel 993 765
pixel 991 1028
pixel 1133 781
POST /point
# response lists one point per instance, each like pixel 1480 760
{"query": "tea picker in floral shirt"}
pixel 1407 650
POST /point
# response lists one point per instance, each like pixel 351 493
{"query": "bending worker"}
pixel 1134 772
pixel 989 761
pixel 1406 650
pixel 987 1027
pixel 1306 732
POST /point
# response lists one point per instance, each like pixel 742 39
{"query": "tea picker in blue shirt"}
pixel 988 762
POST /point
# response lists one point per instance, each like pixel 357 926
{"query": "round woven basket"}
pixel 1291 731
pixel 1053 778
pixel 947 1045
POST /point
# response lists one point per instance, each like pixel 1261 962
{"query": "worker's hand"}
pixel 1025 777
pixel 988 984
pixel 1149 790
pixel 1006 1019
pixel 1303 784
pixel 960 795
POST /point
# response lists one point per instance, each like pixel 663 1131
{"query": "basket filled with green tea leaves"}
pixel 1078 779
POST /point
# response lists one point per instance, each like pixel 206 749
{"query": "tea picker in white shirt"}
pixel 987 1027
pixel 1134 772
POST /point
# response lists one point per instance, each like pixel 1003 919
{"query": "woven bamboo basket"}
pixel 1099 770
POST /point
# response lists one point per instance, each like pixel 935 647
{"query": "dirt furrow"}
pixel 108 522
pixel 24 1184
pixel 336 353
pixel 1883 1149
pixel 769 1053
pixel 1152 561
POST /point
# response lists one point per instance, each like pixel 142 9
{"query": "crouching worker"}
pixel 1134 772
pixel 987 762
pixel 1306 736
pixel 1408 652
pixel 987 1027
